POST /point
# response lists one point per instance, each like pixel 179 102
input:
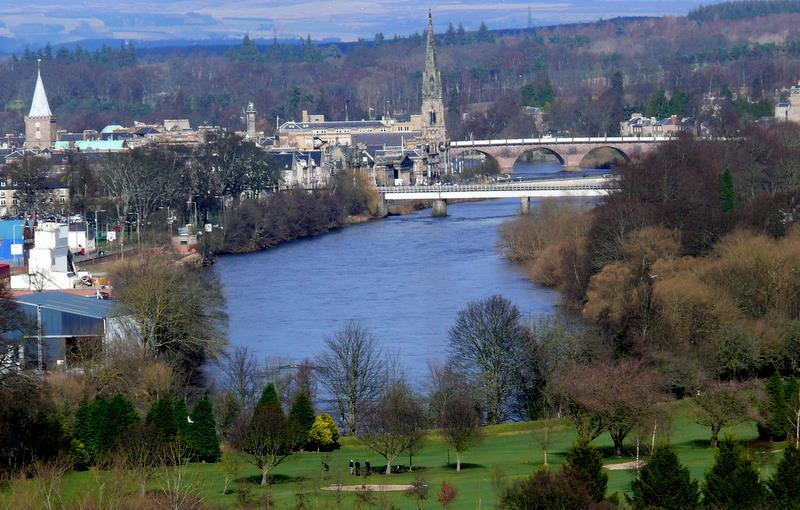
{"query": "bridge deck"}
pixel 545 141
pixel 585 187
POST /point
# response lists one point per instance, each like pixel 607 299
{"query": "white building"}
pixel 48 260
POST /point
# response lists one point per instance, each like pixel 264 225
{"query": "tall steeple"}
pixel 433 126
pixel 39 106
pixel 40 125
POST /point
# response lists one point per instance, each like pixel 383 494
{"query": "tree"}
pixel 418 491
pixel 460 425
pixel 202 439
pixel 270 439
pixel 548 491
pixel 485 341
pixel 269 399
pixel 324 434
pixel 30 179
pixel 664 484
pixel 784 491
pixel 179 311
pixel 242 376
pixel 162 417
pixel 302 413
pixel 447 494
pixel 99 424
pixel 727 193
pixel 352 370
pixel 585 462
pixel 615 396
pixel 775 421
pixel 720 406
pixel 733 481
pixel 395 424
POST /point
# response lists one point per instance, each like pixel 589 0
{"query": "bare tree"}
pixel 242 375
pixel 396 423
pixel 270 439
pixel 720 406
pixel 460 425
pixel 486 341
pixel 141 452
pixel 352 370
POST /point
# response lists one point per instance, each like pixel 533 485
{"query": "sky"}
pixel 36 22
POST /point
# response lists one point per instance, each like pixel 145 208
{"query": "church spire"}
pixel 432 87
pixel 39 106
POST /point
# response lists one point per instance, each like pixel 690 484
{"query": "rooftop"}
pixel 70 303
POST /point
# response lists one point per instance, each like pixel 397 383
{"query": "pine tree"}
pixel 162 417
pixel 733 481
pixel 784 489
pixel 776 413
pixel 201 434
pixel 181 420
pixel 269 399
pixel 585 462
pixel 302 412
pixel 727 192
pixel 119 413
pixel 664 484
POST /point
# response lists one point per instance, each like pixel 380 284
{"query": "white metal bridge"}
pixel 572 187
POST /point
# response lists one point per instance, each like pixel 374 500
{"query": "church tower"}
pixel 433 127
pixel 40 125
pixel 250 121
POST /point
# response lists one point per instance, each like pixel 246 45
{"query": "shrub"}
pixel 324 435
pixel 549 491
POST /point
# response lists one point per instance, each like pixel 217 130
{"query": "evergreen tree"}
pixel 324 435
pixel 483 33
pixel 162 417
pixel 119 413
pixel 664 484
pixel 269 399
pixel 181 419
pixel 776 414
pixel 733 482
pixel 302 413
pixel 86 425
pixel 784 489
pixel 727 192
pixel 202 439
pixel 585 462
pixel 658 106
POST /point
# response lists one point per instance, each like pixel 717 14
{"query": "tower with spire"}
pixel 40 124
pixel 433 125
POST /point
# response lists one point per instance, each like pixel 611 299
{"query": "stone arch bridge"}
pixel 570 152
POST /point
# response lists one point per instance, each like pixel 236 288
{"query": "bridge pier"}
pixel 383 207
pixel 525 205
pixel 439 208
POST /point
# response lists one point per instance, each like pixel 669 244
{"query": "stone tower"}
pixel 40 125
pixel 250 119
pixel 433 126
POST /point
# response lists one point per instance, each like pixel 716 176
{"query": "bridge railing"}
pixel 609 184
pixel 561 140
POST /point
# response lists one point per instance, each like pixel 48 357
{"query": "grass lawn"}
pixel 511 447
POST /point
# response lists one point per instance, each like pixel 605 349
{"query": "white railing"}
pixel 607 184
pixel 561 141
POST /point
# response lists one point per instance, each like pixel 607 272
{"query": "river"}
pixel 404 277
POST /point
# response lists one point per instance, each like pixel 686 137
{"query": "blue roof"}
pixel 72 303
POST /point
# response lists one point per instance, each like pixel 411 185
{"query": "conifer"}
pixel 733 480
pixel 585 462
pixel 665 484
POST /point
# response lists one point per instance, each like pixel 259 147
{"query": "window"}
pixel 433 117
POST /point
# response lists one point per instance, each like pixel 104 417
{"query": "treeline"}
pixel 485 75
pixel 743 9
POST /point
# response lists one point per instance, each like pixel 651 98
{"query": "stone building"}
pixel 40 124
pixel 789 110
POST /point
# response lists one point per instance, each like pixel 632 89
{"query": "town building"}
pixel 40 124
pixel 639 125
pixel 314 131
pixel 788 110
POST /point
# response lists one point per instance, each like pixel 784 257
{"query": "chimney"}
pixel 305 115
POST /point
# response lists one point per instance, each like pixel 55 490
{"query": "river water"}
pixel 404 277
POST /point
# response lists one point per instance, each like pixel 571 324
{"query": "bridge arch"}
pixel 471 158
pixel 603 156
pixel 544 150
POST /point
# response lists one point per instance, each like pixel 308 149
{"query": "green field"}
pixel 511 447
